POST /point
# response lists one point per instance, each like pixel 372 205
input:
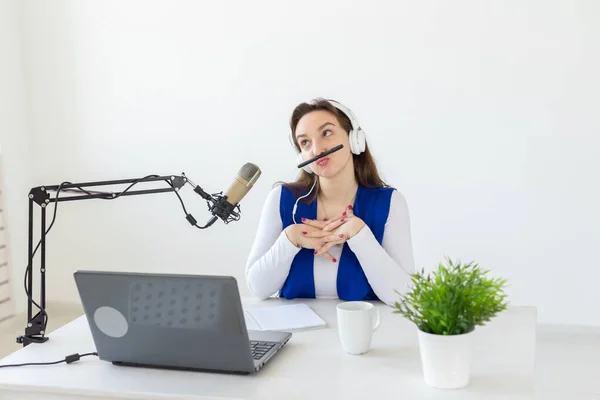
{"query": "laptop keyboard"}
pixel 259 349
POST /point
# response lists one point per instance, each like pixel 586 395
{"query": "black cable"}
pixel 134 183
pixel 88 192
pixel 68 359
pixel 109 196
pixel 29 296
pixel 188 216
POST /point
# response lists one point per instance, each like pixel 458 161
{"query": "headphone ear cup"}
pixel 357 141
pixel 352 140
pixel 357 137
pixel 360 141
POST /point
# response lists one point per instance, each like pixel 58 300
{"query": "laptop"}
pixel 173 321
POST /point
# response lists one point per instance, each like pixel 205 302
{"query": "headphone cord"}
pixel 299 198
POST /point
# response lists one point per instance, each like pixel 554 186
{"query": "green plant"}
pixel 452 300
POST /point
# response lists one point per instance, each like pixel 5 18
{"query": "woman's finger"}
pixel 332 237
pixel 334 225
pixel 315 234
pixel 350 211
pixel 332 220
pixel 314 223
pixel 321 224
pixel 327 246
pixel 343 217
pixel 325 254
pixel 328 256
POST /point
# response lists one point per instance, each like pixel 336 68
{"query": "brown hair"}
pixel 365 170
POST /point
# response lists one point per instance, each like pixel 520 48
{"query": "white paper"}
pixel 289 317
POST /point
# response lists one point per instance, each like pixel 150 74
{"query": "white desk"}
pixel 311 366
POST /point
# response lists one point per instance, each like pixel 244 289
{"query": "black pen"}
pixel 336 148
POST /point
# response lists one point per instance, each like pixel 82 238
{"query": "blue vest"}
pixel 372 206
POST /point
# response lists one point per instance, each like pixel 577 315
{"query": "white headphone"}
pixel 357 138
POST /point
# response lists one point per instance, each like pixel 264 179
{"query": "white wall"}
pixel 481 113
pixel 14 143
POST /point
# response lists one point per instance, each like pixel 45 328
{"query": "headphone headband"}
pixel 343 109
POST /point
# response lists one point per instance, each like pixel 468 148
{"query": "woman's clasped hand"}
pixel 323 235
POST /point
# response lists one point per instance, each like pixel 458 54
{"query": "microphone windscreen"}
pixel 243 182
pixel 249 173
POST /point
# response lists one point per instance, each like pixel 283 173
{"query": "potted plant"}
pixel 446 306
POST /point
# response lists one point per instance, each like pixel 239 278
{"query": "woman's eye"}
pixel 304 143
pixel 327 133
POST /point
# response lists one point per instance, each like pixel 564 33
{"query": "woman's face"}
pixel 317 132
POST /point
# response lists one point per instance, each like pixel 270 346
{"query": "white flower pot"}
pixel 445 359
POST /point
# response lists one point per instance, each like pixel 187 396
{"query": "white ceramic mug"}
pixel 357 320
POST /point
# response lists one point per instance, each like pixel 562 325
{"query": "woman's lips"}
pixel 323 161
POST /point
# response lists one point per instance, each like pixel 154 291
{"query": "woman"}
pixel 338 231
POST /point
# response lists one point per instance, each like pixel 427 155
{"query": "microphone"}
pixel 224 207
pixel 333 150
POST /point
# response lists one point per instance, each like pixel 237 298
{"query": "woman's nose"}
pixel 319 149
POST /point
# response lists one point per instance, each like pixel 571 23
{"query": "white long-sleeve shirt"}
pixel 387 265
